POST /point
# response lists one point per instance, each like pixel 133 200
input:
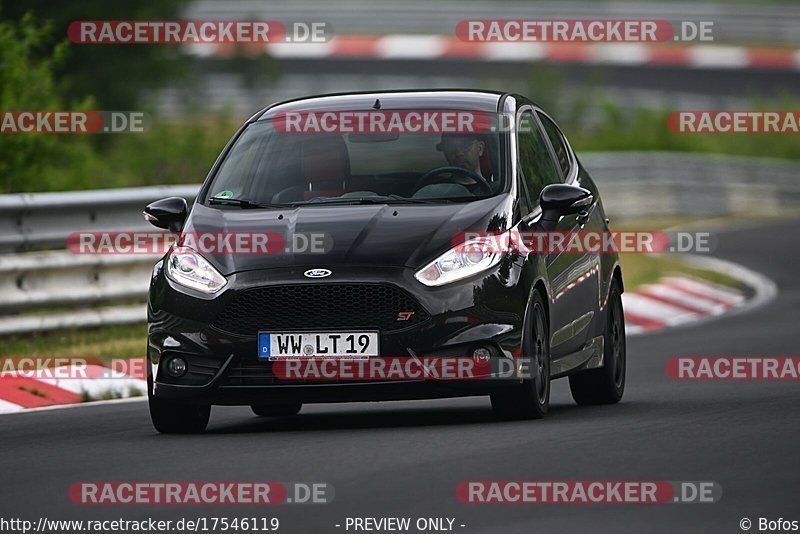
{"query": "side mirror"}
pixel 562 199
pixel 168 213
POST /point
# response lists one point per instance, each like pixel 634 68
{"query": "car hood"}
pixel 391 235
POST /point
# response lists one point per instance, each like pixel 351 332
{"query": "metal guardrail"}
pixel 60 278
pixel 733 21
pixel 33 282
pixel 634 184
pixel 42 220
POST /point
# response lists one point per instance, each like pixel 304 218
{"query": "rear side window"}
pixel 557 140
pixel 536 165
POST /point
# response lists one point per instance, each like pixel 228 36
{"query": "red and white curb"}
pixel 676 300
pixel 20 392
pixel 433 47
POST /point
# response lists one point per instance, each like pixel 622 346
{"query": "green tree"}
pixel 114 74
pixel 34 161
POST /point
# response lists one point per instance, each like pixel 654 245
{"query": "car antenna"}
pixel 377 104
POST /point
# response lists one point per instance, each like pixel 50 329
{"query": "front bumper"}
pixel 223 368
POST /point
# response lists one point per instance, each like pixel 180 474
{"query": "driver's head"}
pixel 463 150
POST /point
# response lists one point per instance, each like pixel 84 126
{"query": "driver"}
pixel 465 151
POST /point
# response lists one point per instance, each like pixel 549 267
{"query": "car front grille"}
pixel 321 306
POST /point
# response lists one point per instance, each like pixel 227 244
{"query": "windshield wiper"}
pixel 393 199
pixel 420 201
pixel 347 201
pixel 244 203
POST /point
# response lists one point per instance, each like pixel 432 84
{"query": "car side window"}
pixel 535 163
pixel 244 162
pixel 557 140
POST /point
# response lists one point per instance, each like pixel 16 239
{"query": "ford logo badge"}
pixel 317 273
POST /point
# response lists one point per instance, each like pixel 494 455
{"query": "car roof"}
pixel 411 99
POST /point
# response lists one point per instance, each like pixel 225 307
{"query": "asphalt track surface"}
pixel 405 459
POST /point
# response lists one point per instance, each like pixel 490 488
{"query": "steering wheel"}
pixel 451 169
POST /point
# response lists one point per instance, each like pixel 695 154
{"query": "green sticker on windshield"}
pixel 224 194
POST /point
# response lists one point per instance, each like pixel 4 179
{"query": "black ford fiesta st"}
pixel 371 218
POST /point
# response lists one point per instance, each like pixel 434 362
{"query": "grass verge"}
pixel 641 269
pixel 106 343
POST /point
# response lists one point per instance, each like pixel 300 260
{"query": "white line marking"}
pixel 674 294
pixel 99 386
pixel 765 289
pixel 411 46
pixel 653 309
pixel 728 57
pixel 718 292
pixel 78 405
pixel 514 51
pixel 9 407
pixel 620 53
pixel 634 330
pixel 302 50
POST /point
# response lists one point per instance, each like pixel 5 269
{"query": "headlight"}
pixel 188 268
pixel 460 262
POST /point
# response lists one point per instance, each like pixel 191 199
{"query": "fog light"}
pixel 481 353
pixel 176 367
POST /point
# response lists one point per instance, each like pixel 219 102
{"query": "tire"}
pixel 605 385
pixel 531 398
pixel 174 418
pixel 266 410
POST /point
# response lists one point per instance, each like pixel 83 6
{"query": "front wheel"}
pixel 606 384
pixel 531 398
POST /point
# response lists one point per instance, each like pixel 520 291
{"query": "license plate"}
pixel 275 346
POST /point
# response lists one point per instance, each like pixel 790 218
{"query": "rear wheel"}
pixel 606 384
pixel 276 410
pixel 531 398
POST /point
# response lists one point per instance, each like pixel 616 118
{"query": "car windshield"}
pixel 269 166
